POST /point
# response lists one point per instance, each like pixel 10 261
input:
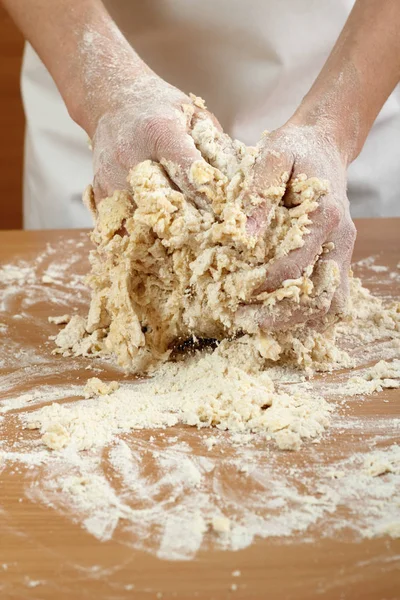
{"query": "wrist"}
pixel 338 124
pixel 106 76
pixel 109 93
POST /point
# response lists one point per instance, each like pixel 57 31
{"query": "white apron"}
pixel 252 61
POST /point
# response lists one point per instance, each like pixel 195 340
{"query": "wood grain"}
pixel 11 124
pixel 40 545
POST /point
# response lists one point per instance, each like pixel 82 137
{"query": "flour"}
pixel 40 395
pixel 233 492
pixel 369 267
pixel 231 387
pixel 122 466
pixel 375 379
pixel 25 279
pixel 19 274
pixel 187 500
pixel 379 268
pixel 233 400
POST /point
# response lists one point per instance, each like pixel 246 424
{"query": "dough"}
pixel 96 387
pixel 179 271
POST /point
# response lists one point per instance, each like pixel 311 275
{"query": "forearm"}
pixel 86 54
pixel 358 77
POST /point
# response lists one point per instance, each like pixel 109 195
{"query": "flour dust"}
pixel 142 467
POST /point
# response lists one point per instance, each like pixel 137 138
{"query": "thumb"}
pixel 186 167
pixel 265 188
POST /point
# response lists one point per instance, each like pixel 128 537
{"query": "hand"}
pixel 149 121
pixel 294 149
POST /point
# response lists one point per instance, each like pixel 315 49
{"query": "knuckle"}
pixel 333 213
pixel 289 270
pixel 272 167
pixel 339 303
pixel 348 237
pixel 98 158
pixel 98 190
pixel 157 131
pixel 122 154
pixel 352 231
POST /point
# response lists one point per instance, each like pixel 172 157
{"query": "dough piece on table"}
pixel 96 387
pixel 60 320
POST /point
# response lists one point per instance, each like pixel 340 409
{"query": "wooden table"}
pixel 45 556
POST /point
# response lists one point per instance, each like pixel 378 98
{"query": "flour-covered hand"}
pixel 286 153
pixel 150 121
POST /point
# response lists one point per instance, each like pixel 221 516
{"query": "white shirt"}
pixel 252 61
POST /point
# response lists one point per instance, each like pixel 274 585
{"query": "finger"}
pixel 324 220
pixel 284 316
pixel 99 191
pixel 311 306
pixel 265 188
pixel 177 152
pixel 105 187
pixel 89 201
pixel 342 254
pixel 216 146
pixel 198 109
pixel 342 294
pixel 109 176
pixel 204 113
pixel 289 319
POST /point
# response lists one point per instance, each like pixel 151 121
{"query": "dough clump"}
pixel 96 387
pixel 167 269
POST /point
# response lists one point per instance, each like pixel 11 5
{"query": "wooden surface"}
pixel 38 544
pixel 11 124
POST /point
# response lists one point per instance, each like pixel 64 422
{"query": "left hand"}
pixel 295 149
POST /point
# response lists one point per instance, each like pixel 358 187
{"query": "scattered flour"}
pixel 174 501
pixel 375 379
pixel 233 399
pixel 232 388
pixel 167 493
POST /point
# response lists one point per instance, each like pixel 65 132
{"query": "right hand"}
pixel 147 121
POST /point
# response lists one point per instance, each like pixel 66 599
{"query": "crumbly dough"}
pixel 60 320
pixel 96 387
pixel 165 270
pixel 221 524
